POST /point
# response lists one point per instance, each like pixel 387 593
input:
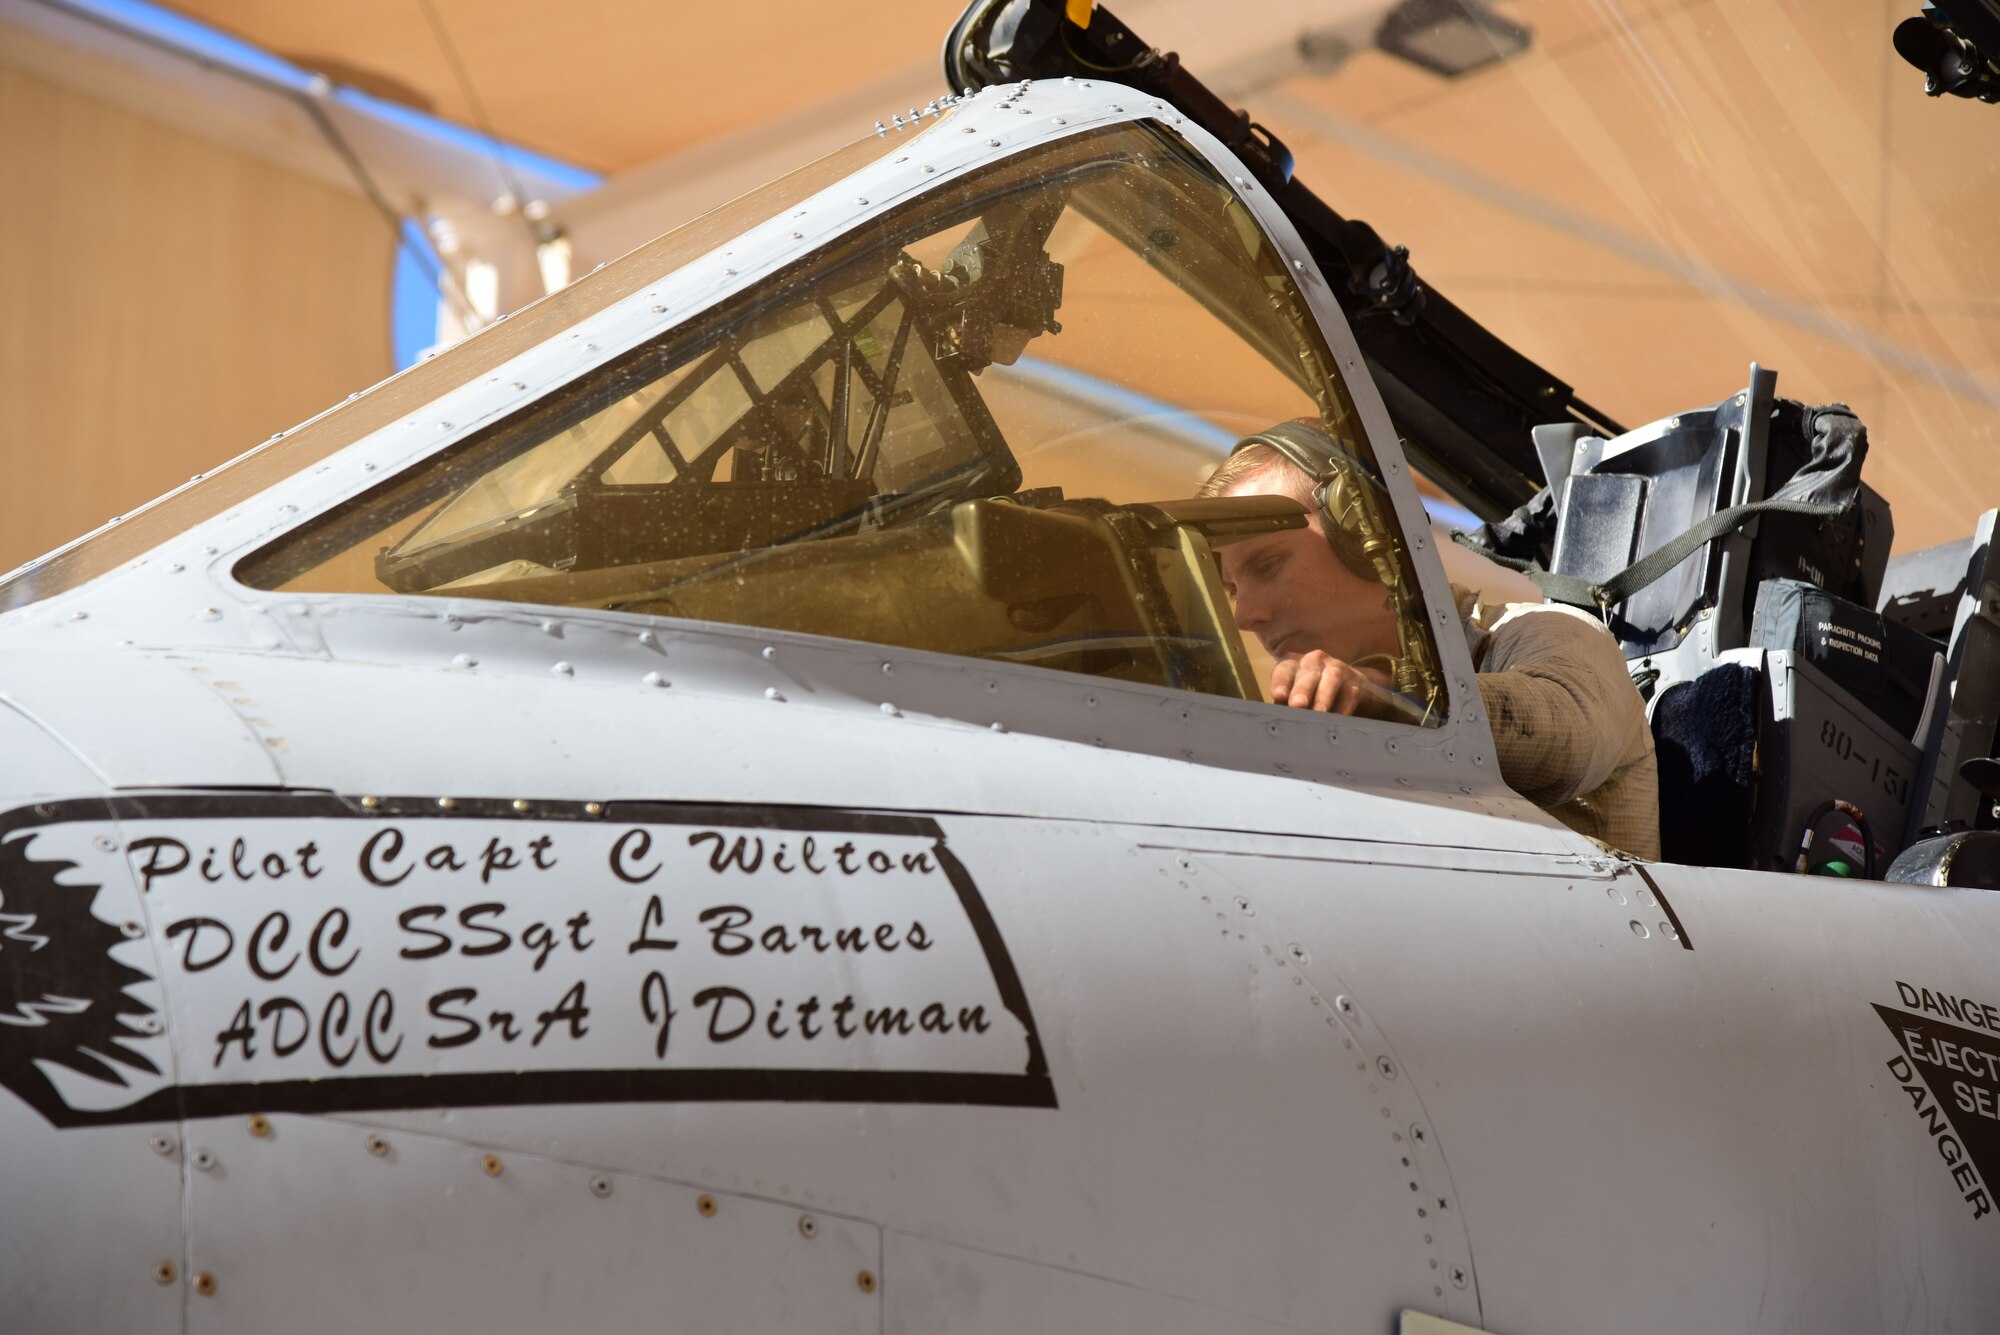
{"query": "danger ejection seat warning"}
pixel 1949 1068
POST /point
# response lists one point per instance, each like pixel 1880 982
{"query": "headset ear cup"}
pixel 1335 507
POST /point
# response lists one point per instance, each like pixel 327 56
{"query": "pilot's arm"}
pixel 1569 727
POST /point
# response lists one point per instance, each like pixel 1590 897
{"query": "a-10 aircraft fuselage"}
pixel 448 962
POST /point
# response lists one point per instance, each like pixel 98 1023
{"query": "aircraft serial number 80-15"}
pixel 734 800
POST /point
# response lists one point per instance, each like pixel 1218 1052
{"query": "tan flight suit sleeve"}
pixel 1564 712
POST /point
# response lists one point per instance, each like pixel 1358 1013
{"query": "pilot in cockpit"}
pixel 1568 724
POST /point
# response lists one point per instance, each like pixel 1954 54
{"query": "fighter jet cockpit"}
pixel 954 429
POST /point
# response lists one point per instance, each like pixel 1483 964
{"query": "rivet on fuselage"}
pixel 492 1166
pixel 260 1125
pixel 371 802
pixel 378 1146
pixel 593 808
pixel 447 803
pixel 521 804
pixel 706 1206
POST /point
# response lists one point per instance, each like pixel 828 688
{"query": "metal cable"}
pixel 442 276
pixel 509 182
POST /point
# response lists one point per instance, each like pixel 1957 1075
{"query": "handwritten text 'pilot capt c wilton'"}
pixel 305 947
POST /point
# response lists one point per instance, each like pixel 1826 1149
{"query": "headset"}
pixel 1343 491
pixel 1349 494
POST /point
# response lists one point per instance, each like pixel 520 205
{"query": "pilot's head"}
pixel 1304 588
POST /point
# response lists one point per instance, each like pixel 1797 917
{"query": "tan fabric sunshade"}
pixel 606 84
pixel 1651 195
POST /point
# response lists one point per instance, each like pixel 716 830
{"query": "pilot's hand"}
pixel 1319 681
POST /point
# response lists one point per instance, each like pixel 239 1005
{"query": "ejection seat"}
pixel 1737 556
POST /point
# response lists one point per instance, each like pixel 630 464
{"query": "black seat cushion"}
pixel 1705 735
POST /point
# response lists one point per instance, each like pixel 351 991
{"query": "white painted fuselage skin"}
pixel 1244 1019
